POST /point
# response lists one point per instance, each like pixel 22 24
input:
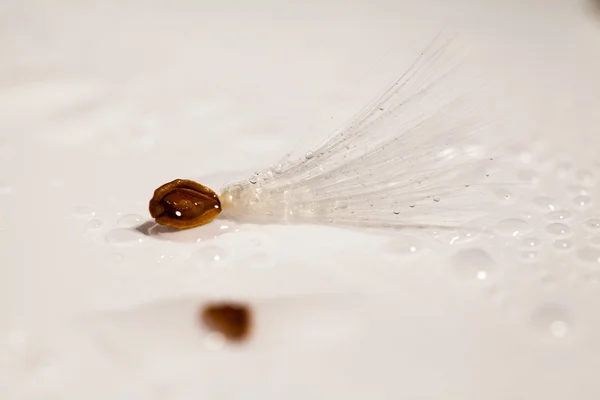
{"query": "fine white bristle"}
pixel 414 157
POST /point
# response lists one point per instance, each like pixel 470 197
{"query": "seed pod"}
pixel 184 204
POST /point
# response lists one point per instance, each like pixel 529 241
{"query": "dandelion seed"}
pixel 380 165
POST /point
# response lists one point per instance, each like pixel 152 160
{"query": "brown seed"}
pixel 184 204
pixel 232 320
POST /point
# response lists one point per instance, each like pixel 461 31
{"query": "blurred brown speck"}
pixel 232 320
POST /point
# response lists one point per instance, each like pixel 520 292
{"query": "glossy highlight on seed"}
pixel 184 204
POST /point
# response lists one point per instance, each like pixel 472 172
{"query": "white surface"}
pixel 100 104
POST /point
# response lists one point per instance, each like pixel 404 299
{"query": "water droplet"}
pixel 529 255
pixel 403 246
pixel 211 255
pixel 525 157
pixel 585 177
pixel 547 279
pixel 552 320
pixel 309 155
pixel 114 258
pixel 163 258
pixel 93 225
pixel 504 195
pixel 593 224
pixel 559 328
pixel 526 215
pixel 560 215
pixel 592 279
pixel 412 205
pixel 259 259
pixel 465 235
pixel 545 203
pixel 563 168
pixel 473 264
pixel 589 254
pixel 130 221
pixel 512 227
pixel 558 229
pixel 582 201
pixel 267 175
pixel 576 190
pixel 562 244
pixel 253 179
pixel 528 176
pixel 83 212
pixel 436 198
pixel 124 236
pixel 531 242
pixel 197 235
pixel 396 208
